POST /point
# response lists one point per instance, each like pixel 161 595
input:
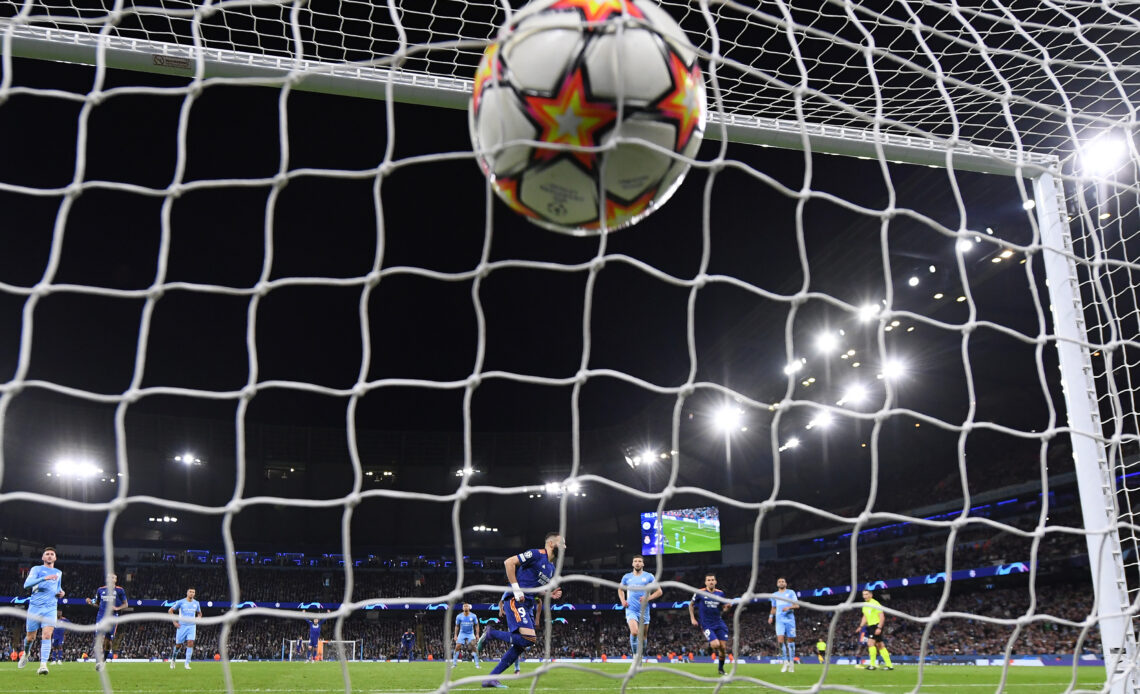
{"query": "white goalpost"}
pixel 1043 97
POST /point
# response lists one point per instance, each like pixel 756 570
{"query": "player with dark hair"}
pixel 45 582
pixel 407 645
pixel 465 635
pixel 314 640
pixel 186 608
pixel 871 626
pixel 784 618
pixel 533 568
pixel 636 603
pixel 710 611
pixel 109 602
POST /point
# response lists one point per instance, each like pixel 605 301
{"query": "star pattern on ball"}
pixel 683 104
pixel 570 118
pixel 508 189
pixel 618 213
pixel 600 10
pixel 488 72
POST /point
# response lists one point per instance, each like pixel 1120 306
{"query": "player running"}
pixel 57 635
pixel 314 640
pixel 187 608
pixel 783 616
pixel 531 569
pixel 109 602
pixel 636 604
pixel 465 635
pixel 711 622
pixel 45 581
pixel 871 626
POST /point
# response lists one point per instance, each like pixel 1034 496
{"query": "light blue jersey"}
pixel 466 624
pixel 635 598
pixel 186 610
pixel 45 584
pixel 782 599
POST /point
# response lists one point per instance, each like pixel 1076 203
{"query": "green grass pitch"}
pixel 409 678
pixel 692 539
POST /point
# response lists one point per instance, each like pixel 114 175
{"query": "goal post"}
pixel 297 649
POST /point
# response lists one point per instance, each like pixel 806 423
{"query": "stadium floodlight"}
pixel 913 281
pixel 552 487
pixel 854 394
pixel 794 366
pixel 461 472
pixel 790 443
pixel 827 342
pixel 893 369
pixel 728 418
pixel 965 245
pixel 1104 154
pixel 188 459
pixel 79 469
pixel 1028 205
pixel 868 312
pixel 822 420
pixel 649 456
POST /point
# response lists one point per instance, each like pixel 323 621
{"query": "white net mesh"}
pixel 192 252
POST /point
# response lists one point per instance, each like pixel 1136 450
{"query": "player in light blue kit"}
pixel 187 608
pixel 45 583
pixel 530 569
pixel 783 616
pixel 636 604
pixel 111 601
pixel 465 635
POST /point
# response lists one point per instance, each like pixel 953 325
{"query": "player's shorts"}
pixel 186 633
pixel 718 632
pixel 518 613
pixel 465 638
pixel 869 632
pixel 107 627
pixel 313 643
pixel 636 615
pixel 44 617
pixel 786 628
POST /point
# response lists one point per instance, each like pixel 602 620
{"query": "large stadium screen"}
pixel 683 531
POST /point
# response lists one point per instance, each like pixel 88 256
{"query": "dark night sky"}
pixel 433 217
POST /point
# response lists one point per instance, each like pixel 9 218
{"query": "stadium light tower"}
pixel 728 419
pixel 1104 154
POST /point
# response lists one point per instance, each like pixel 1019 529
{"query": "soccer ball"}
pixel 614 86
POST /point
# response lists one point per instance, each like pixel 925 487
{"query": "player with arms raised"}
pixel 636 603
pixel 187 608
pixel 45 582
pixel 784 617
pixel 109 602
pixel 708 615
pixel 314 640
pixel 465 634
pixel 530 569
pixel 871 626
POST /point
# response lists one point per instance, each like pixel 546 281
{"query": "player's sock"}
pixel 633 644
pixel 189 654
pixel 174 654
pixel 791 652
pixel 720 661
pixel 45 651
pixel 886 656
pixel 476 658
pixel 28 643
pixel 508 658
pixel 874 653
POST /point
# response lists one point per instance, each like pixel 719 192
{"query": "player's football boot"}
pixel 172 663
pixel 23 661
pixel 494 684
pixel 481 642
pixel 869 667
pixel 43 669
pixel 888 667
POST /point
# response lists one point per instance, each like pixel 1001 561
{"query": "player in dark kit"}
pixel 708 615
pixel 531 569
pixel 57 636
pixel 407 645
pixel 110 603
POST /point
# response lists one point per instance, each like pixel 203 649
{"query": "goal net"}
pixel 253 285
pixel 298 649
